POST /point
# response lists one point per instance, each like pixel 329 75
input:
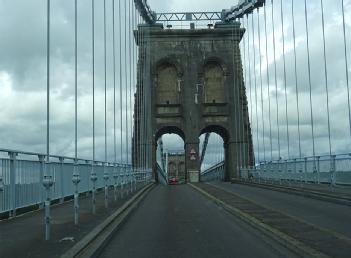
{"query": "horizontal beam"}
pixel 189 16
pixel 227 15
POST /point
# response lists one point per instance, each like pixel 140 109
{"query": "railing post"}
pixel 75 181
pixel 115 177
pixel 279 171
pixel 286 171
pixel 62 179
pixel 295 170
pixel 305 171
pixel 332 171
pixel 12 156
pixel 47 183
pixel 42 169
pixel 93 179
pixel 128 181
pixel 315 168
pixel 106 177
pixel 318 170
pixel 122 181
pixel 2 187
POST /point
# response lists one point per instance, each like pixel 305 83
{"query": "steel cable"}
pixel 296 78
pixel 255 84
pixel 346 63
pixel 268 84
pixel 275 81
pixel 114 81
pixel 262 106
pixel 326 77
pixel 245 128
pixel 309 78
pixel 285 81
pixel 250 83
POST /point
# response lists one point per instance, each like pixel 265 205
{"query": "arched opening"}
pixel 170 156
pixel 167 85
pixel 214 90
pixel 213 153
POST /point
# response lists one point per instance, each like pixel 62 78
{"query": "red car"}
pixel 173 181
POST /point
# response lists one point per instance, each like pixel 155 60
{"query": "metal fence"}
pixel 214 173
pixel 334 170
pixel 22 175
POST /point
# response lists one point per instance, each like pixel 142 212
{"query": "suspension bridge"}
pixel 138 132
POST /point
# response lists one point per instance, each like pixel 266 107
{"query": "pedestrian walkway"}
pixel 23 236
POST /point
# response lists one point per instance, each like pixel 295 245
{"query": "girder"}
pixel 227 15
pixel 145 11
pixel 189 16
pixel 242 8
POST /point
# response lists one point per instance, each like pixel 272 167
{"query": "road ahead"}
pixel 177 221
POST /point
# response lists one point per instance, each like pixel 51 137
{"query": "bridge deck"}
pixel 178 221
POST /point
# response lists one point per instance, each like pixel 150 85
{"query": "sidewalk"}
pixel 23 236
pixel 339 190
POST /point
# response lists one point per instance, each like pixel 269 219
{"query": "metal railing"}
pixel 214 173
pixel 22 178
pixel 162 177
pixel 334 170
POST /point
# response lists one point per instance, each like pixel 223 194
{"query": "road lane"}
pixel 177 221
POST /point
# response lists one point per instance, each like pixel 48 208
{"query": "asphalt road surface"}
pixel 335 217
pixel 177 221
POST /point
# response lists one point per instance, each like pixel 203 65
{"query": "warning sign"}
pixel 193 155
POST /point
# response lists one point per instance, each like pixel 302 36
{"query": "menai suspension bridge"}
pixel 296 73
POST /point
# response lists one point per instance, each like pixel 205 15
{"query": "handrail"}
pixel 60 157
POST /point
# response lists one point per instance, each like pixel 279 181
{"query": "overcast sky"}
pixel 23 76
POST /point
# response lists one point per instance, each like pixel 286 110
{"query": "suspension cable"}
pixel 130 79
pixel 275 81
pixel 326 78
pixel 346 63
pixel 134 85
pixel 262 106
pixel 296 79
pixel 236 96
pixel 244 121
pixel 93 69
pixel 75 82
pixel 309 78
pixel 255 84
pixel 114 81
pixel 126 80
pixel 48 83
pixel 250 83
pixel 285 86
pixel 105 74
pixel 268 83
pixel 120 78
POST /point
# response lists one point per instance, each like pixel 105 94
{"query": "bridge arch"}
pixel 169 130
pixel 218 129
pixel 223 133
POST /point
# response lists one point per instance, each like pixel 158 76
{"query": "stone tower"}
pixel 190 82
